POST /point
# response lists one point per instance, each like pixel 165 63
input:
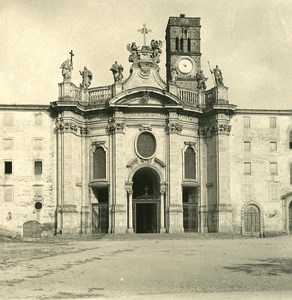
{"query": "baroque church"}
pixel 145 155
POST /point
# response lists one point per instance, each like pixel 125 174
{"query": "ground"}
pixel 148 266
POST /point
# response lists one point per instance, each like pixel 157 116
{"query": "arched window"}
pixel 176 44
pixel 189 44
pixel 290 140
pixel 181 44
pixel 190 163
pixel 185 34
pixel 99 163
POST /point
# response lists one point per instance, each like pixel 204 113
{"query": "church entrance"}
pixel 146 202
pixel 252 220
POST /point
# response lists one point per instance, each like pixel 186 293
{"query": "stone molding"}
pixel 71 127
pixel 218 129
pixel 116 127
pixel 145 127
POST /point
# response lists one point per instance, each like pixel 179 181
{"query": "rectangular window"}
pixel 273 146
pixel 7 119
pixel 8 167
pixel 38 192
pixel 38 167
pixel 8 193
pixel 273 122
pixel 273 168
pixel 246 191
pixel 247 168
pixel 8 144
pixel 38 119
pixel 274 192
pixel 37 143
pixel 246 146
pixel 246 122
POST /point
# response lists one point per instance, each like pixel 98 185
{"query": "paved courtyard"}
pixel 151 267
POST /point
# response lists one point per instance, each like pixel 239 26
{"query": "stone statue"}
pixel 67 67
pixel 218 76
pixel 156 50
pixel 86 78
pixel 117 72
pixel 133 48
pixel 173 74
pixel 201 80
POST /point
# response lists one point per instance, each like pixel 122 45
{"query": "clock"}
pixel 185 65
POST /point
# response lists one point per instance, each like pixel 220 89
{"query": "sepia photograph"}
pixel 146 149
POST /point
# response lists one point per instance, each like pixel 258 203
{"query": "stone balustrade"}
pixel 189 97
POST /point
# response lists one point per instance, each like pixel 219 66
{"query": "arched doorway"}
pixel 290 217
pixel 146 201
pixel 252 219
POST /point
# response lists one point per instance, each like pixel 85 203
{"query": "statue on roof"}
pixel 218 76
pixel 133 49
pixel 67 67
pixel 201 80
pixel 86 78
pixel 156 50
pixel 117 71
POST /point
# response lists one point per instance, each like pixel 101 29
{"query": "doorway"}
pixel 146 202
pixel 252 220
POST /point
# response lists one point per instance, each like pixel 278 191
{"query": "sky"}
pixel 251 41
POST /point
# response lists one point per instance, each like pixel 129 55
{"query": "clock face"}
pixel 185 66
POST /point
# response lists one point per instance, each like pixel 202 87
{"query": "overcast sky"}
pixel 250 40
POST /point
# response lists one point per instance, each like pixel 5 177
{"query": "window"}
pixel 290 140
pixel 38 119
pixel 176 44
pixel 8 193
pixel 99 163
pixel 8 119
pixel 190 163
pixel 273 146
pixel 291 173
pixel 246 122
pixel 273 168
pixel 8 167
pixel 181 44
pixel 246 146
pixel 7 143
pixel 273 122
pixel 146 144
pixel 37 143
pixel 38 167
pixel 247 168
pixel 189 44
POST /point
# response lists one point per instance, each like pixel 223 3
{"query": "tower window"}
pixel 189 44
pixel 185 34
pixel 177 44
pixel 181 44
pixel 99 163
pixel 190 163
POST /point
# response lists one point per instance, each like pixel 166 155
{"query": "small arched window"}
pixel 181 44
pixel 185 34
pixel 99 163
pixel 189 44
pixel 190 163
pixel 176 43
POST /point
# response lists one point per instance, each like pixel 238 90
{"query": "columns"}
pixel 130 206
pixel 162 211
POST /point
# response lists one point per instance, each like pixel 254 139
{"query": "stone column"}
pixel 162 211
pixel 130 229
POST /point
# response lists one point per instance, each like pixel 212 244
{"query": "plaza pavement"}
pixel 148 267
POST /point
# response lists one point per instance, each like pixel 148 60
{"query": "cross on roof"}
pixel 144 31
pixel 71 54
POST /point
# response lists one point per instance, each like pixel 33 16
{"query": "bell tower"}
pixel 183 55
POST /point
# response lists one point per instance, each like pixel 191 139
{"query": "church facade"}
pixel 147 156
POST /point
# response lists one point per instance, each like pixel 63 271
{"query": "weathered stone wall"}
pixel 260 187
pixel 27 136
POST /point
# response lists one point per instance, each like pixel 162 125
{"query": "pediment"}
pixel 149 96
